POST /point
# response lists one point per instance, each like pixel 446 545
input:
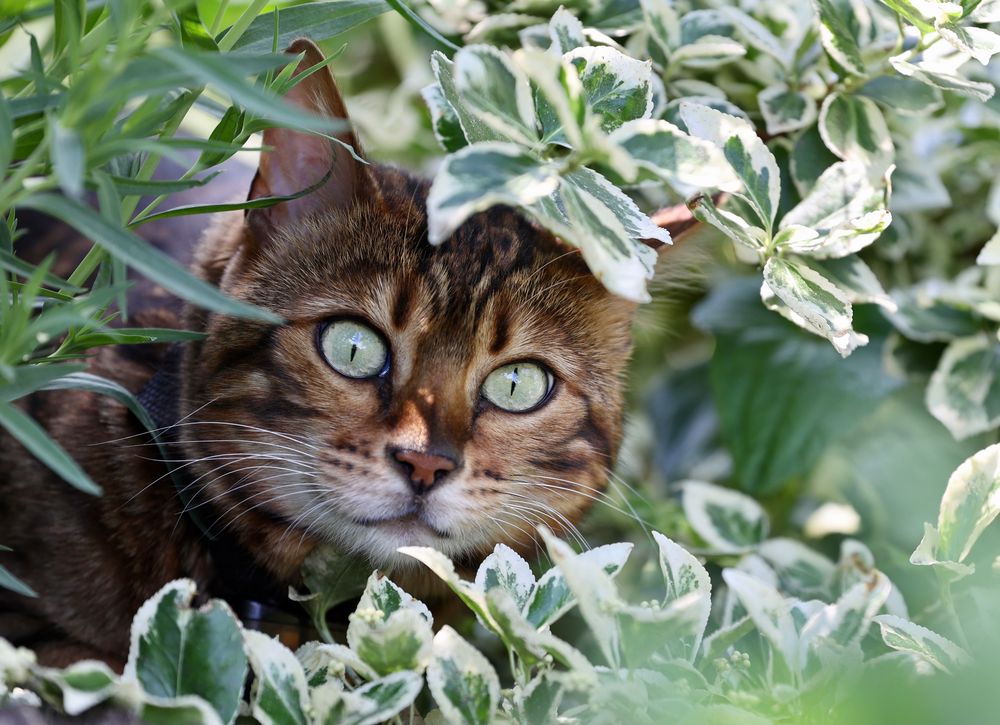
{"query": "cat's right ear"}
pixel 298 160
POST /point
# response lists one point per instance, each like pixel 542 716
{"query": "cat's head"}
pixel 453 396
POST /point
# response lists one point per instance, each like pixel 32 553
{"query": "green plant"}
pixel 844 152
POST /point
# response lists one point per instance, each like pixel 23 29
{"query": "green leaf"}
pixel 331 578
pixel 318 20
pixel 801 396
pixel 903 95
pixel 899 634
pixel 785 109
pixel 472 127
pixel 140 187
pixel 969 504
pixel 480 176
pixel 681 160
pixel 841 32
pixel 770 612
pixel 685 576
pixel 811 301
pixel 185 710
pixel 663 28
pixel 33 437
pixel 844 209
pixel 77 688
pixel 989 255
pixel 856 279
pixel 566 32
pixel 749 157
pixel 709 51
pixel 418 22
pixel 375 702
pixel 964 391
pixel 980 43
pixel 596 595
pixel 211 69
pixel 505 569
pixel 176 650
pixel 29 378
pixel 6 132
pixel 138 254
pixel 854 129
pixel 444 119
pixel 943 80
pixel 615 86
pixel 69 158
pixel 12 583
pixel 803 572
pixel 728 521
pixel 733 226
pixel 496 91
pixel 920 13
pixel 280 695
pixel 464 684
pixel 552 597
pixel 390 630
pixel 443 568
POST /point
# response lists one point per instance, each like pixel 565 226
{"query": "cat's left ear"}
pixel 297 160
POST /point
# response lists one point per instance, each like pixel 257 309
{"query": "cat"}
pixel 454 396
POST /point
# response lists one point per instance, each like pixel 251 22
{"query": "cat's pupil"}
pixel 355 344
pixel 514 380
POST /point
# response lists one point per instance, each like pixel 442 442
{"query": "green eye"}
pixel 354 349
pixel 517 387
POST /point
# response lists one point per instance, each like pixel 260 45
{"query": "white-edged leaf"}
pixel 970 503
pixel 374 702
pixel 709 51
pixel 444 119
pixel 480 176
pixel 905 636
pixel 77 688
pixel 943 80
pixel 785 109
pixel 854 129
pixel 390 643
pixel 856 279
pixel 980 43
pixel 842 25
pixel 844 208
pixel 804 572
pixel 989 255
pixel 846 621
pixel 463 682
pixel 964 390
pixel 770 612
pixel 280 695
pixel 663 28
pixel 683 575
pixel 176 650
pixel 552 598
pixel 443 567
pixel 320 661
pixel 496 91
pixel 728 521
pixel 750 158
pixel 903 95
pixel 733 226
pixel 473 128
pixel 596 594
pixel 184 710
pixel 504 568
pixel 566 32
pixel 615 86
pixel 811 301
pixel 681 160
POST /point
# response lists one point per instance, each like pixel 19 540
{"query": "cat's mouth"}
pixel 413 516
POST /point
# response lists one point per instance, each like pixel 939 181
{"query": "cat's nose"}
pixel 424 469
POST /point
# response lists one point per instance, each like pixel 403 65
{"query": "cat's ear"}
pixel 297 160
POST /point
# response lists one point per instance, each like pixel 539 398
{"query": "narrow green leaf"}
pixel 317 20
pixel 29 378
pixel 33 437
pixel 12 583
pixel 143 257
pixel 418 22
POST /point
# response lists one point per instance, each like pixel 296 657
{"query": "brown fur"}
pixel 287 453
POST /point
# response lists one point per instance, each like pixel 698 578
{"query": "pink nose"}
pixel 424 468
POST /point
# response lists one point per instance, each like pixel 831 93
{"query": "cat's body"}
pixel 280 451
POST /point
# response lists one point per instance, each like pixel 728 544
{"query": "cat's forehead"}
pixel 498 269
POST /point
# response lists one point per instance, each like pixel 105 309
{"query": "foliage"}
pixel 843 153
pixel 790 628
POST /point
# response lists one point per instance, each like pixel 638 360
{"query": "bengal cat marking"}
pixel 284 453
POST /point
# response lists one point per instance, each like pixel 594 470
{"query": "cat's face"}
pixel 453 397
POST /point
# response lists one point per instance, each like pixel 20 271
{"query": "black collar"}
pixel 254 595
